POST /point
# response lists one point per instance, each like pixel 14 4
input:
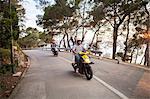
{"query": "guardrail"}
pixel 96 52
pixel 69 49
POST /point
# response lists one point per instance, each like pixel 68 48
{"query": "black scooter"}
pixel 55 51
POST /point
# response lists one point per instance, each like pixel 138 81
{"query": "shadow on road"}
pixel 49 56
pixel 76 75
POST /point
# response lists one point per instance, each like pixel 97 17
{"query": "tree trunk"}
pixel 75 39
pixel 64 43
pixel 147 62
pixel 83 34
pixel 71 39
pixel 76 33
pixel 136 56
pixel 142 60
pixel 0 59
pixel 147 53
pixel 116 27
pixel 93 37
pixel 0 51
pixel 62 40
pixel 115 35
pixel 145 56
pixel 148 43
pixel 132 54
pixel 83 37
pixel 97 43
pixel 68 43
pixel 126 42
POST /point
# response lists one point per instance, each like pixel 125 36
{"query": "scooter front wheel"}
pixel 88 72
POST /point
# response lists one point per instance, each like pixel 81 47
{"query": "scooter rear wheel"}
pixel 74 66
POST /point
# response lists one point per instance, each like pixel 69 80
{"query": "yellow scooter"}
pixel 84 67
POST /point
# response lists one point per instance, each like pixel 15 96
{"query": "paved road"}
pixel 131 81
pixel 53 78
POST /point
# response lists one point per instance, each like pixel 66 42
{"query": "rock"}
pixel 26 64
pixel 7 93
pixel 13 87
pixel 18 74
pixel 22 64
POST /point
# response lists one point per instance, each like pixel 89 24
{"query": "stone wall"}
pixel 19 57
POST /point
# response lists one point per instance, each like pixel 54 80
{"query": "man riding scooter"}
pixel 54 48
pixel 76 49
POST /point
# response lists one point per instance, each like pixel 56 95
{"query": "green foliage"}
pixel 45 37
pixel 67 14
pixel 7 19
pixel 135 42
pixel 98 13
pixel 2 86
pixel 5 55
pixel 77 2
pixel 6 68
pixel 141 17
pixel 55 14
pixel 116 12
pixel 31 39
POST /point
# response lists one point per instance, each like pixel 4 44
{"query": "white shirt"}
pixel 78 48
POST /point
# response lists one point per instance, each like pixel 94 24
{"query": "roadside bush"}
pixel 5 61
pixel 7 68
pixel 119 54
pixel 2 86
pixel 5 55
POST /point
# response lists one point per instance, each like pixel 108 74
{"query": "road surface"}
pixel 129 80
pixel 53 78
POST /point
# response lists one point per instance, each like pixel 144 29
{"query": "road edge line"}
pixel 14 91
pixel 111 88
pixel 115 91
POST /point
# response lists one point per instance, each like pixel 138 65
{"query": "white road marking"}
pixel 121 95
pixel 111 88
